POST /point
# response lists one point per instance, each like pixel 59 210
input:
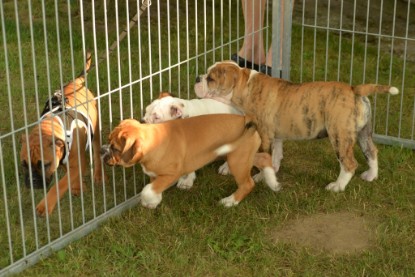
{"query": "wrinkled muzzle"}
pixel 200 87
pixel 37 180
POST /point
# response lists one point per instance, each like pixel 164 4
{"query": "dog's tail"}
pixel 368 89
pixel 250 129
pixel 88 63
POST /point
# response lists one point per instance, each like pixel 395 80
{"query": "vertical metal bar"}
pixel 340 42
pixel 404 71
pixel 159 45
pixel 49 94
pixel 88 103
pixel 266 25
pixel 6 64
pixel 377 63
pixel 32 195
pixel 187 47
pixel 315 39
pixel 196 42
pixel 302 43
pixel 276 36
pixel 286 44
pixel 149 52
pixel 169 43
pixel 366 37
pixel 58 208
pixel 130 79
pixel 178 48
pixel 73 76
pixel 140 68
pixel 140 77
pixel 327 42
pixel 213 33
pixel 77 129
pixel 353 35
pixel 22 229
pixel 221 30
pixel 390 67
pixel 98 91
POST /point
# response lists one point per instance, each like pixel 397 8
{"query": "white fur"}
pixel 224 150
pixel 277 154
pixel 160 109
pixel 148 173
pixel 372 173
pixel 271 179
pixel 224 169
pixel 149 198
pixel 341 182
pixel 186 181
pixel 393 90
pixel 229 201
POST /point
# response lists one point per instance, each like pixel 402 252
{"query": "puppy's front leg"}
pixel 53 194
pixel 151 194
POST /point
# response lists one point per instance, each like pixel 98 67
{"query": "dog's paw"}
pixel 229 201
pixel 41 209
pixel 76 190
pixel 335 187
pixel 271 179
pixel 149 198
pixel 186 182
pixel 369 175
pixel 224 169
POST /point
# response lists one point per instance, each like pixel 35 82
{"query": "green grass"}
pixel 189 233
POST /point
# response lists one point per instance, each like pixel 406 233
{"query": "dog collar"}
pixel 76 122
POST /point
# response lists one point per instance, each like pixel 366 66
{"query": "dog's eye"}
pixel 46 165
pixel 25 165
pixel 209 79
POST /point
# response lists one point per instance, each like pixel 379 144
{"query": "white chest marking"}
pixel 148 173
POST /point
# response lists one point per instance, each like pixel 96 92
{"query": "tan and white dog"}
pixel 169 150
pixel 167 107
pixel 283 110
pixel 60 141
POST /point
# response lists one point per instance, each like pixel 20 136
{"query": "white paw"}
pixel 334 186
pixel 271 179
pixel 149 198
pixel 224 169
pixel 186 182
pixel 258 177
pixel 369 175
pixel 229 201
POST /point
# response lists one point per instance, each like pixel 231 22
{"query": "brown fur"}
pixel 284 110
pixel 171 149
pixel 49 138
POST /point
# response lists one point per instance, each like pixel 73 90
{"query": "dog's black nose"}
pixel 198 79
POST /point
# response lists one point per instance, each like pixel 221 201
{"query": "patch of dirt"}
pixel 337 233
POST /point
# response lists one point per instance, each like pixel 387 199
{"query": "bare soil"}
pixel 337 233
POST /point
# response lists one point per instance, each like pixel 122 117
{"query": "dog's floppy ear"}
pixel 176 110
pixel 132 148
pixel 164 94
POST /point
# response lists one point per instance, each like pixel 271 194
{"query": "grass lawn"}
pixel 189 233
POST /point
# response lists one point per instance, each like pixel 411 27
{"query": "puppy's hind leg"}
pixel 364 138
pixel 263 161
pixel 343 145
